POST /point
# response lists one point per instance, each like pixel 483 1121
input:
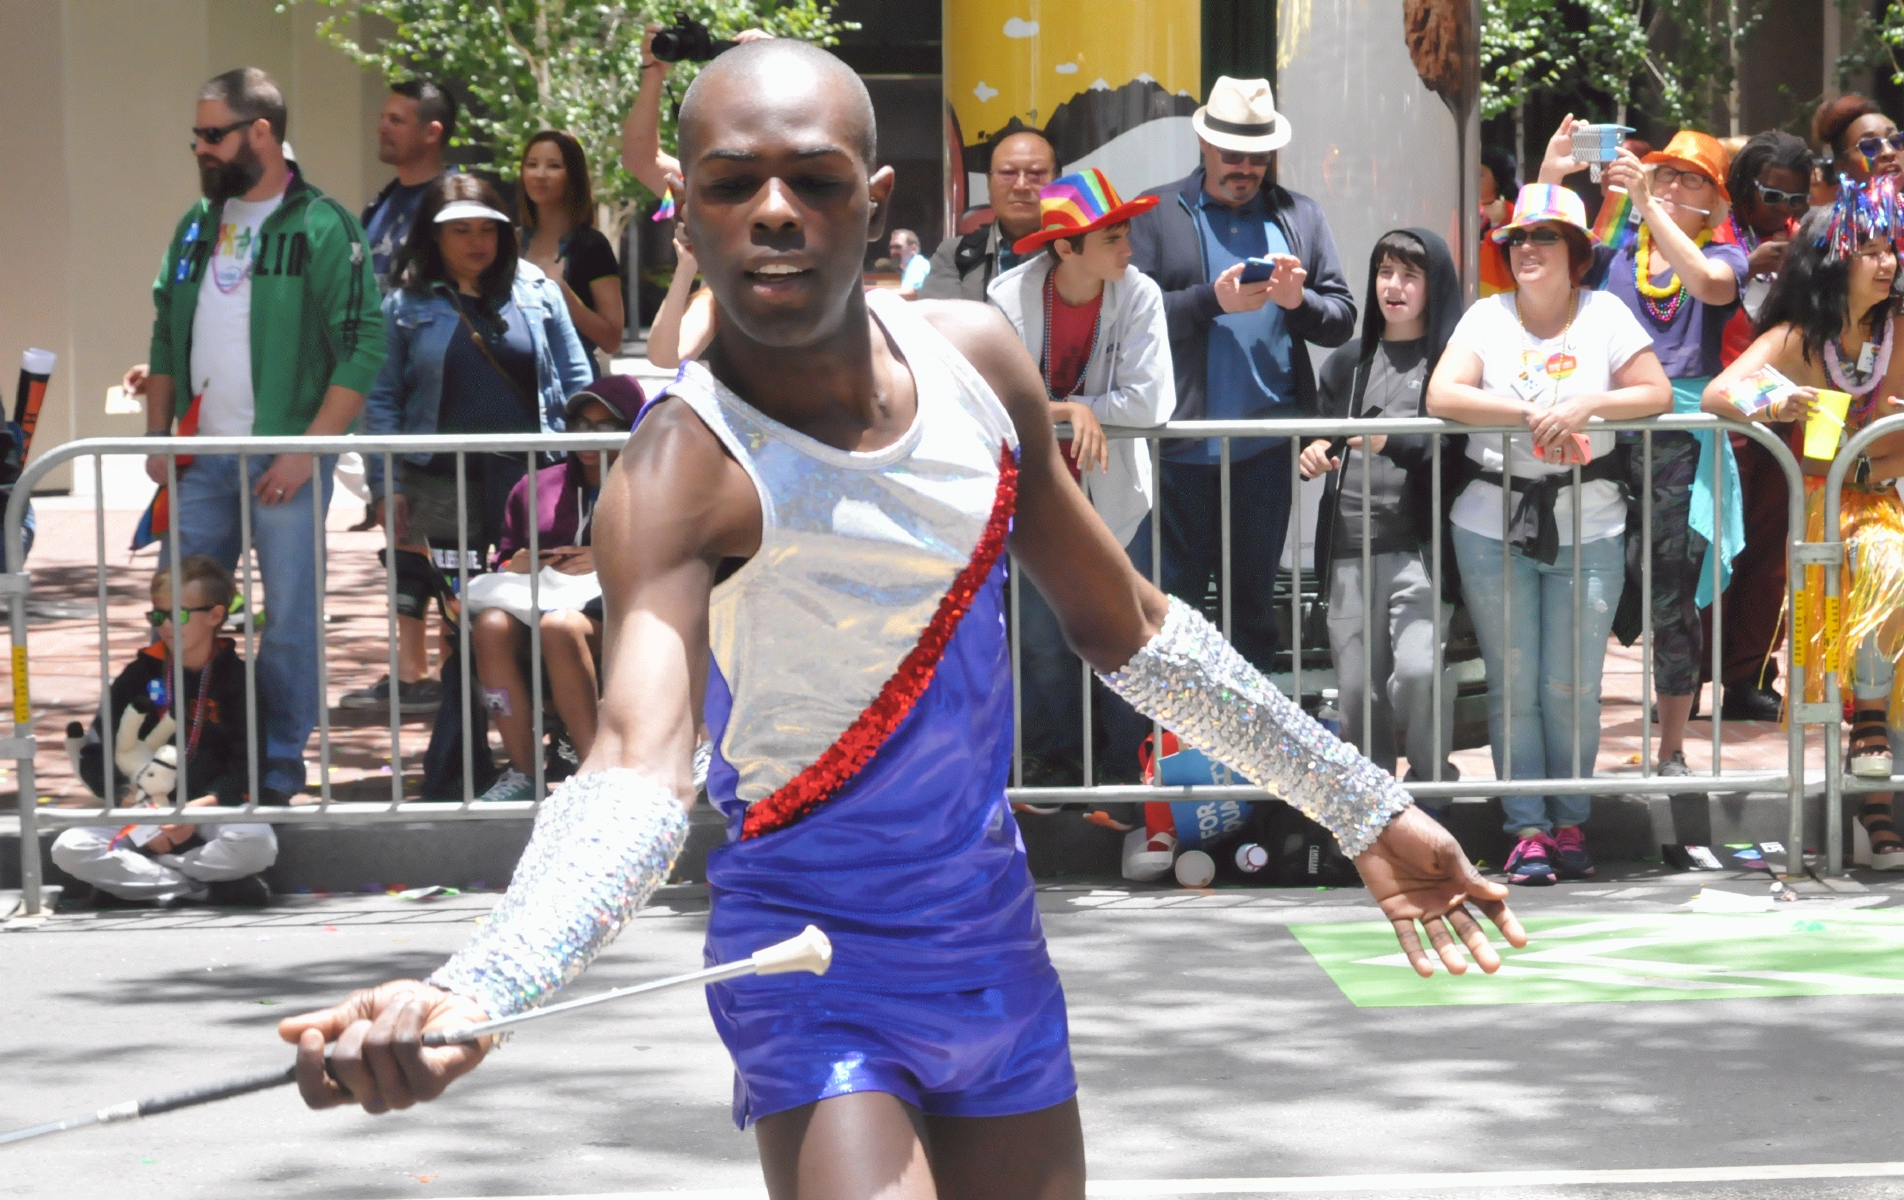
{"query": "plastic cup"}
pixel 1195 869
pixel 1826 427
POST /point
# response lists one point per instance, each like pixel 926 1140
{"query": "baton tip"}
pixel 810 951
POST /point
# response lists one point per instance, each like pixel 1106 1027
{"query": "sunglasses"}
pixel 211 135
pixel 1777 198
pixel 1871 147
pixel 1535 237
pixel 1234 158
pixel 1691 181
pixel 160 616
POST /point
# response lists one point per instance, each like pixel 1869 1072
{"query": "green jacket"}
pixel 316 313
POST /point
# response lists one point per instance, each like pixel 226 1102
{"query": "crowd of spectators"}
pixel 445 309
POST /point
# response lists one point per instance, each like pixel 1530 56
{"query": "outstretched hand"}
pixel 378 1058
pixel 1417 872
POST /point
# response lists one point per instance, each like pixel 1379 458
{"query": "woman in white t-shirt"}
pixel 1549 356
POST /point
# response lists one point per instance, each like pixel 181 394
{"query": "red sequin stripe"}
pixel 844 759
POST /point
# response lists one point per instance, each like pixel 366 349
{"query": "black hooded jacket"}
pixel 1344 377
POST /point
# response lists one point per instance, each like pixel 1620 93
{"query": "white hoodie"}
pixel 1129 380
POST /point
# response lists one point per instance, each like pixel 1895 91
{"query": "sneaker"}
pixel 1528 865
pixel 1673 766
pixel 510 785
pixel 413 699
pixel 1570 853
pixel 251 891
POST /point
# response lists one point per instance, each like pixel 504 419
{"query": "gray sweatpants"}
pixel 228 852
pixel 1399 663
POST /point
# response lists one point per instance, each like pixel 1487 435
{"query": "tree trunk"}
pixel 1520 135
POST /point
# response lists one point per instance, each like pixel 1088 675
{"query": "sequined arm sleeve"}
pixel 1195 683
pixel 603 842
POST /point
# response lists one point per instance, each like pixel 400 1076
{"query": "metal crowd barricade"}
pixel 1830 554
pixel 15 588
pixel 1298 432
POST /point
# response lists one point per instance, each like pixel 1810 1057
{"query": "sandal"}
pixel 1870 745
pixel 1884 846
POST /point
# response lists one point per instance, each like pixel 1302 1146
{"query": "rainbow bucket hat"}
pixel 1545 202
pixel 1076 204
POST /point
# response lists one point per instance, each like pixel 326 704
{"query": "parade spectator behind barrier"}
pixel 264 260
pixel 571 635
pixel 480 342
pixel 913 266
pixel 1551 355
pixel 964 265
pixel 1095 324
pixel 179 862
pixel 684 324
pixel 415 128
pixel 1831 323
pixel 558 234
pixel 1414 301
pixel 1500 184
pixel 1862 141
pixel 1683 284
pixel 1239 348
pixel 1768 183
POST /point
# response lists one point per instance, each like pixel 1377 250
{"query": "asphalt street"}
pixel 1216 1057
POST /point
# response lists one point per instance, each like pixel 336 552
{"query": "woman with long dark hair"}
pixel 1830 322
pixel 558 234
pixel 478 341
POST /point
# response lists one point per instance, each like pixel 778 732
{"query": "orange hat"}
pixel 1700 151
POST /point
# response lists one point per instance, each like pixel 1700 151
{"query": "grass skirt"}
pixel 1871 586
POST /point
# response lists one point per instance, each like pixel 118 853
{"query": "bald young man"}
pixel 805 539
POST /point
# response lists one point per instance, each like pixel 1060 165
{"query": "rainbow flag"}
pixel 666 211
pixel 1615 226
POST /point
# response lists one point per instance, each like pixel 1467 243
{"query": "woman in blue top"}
pixel 1684 284
pixel 478 341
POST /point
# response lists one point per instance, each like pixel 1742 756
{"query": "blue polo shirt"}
pixel 1249 371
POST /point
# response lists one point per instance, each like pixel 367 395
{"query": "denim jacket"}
pixel 417 332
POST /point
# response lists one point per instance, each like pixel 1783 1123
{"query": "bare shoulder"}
pixel 677 491
pixel 987 340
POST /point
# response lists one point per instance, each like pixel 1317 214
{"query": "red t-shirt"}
pixel 1068 351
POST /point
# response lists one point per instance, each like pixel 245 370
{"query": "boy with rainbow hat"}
pixel 1095 326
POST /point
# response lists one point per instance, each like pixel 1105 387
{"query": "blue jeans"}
pixel 1051 696
pixel 1190 498
pixel 1539 687
pixel 288 547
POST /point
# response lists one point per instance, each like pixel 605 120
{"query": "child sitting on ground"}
pixel 180 863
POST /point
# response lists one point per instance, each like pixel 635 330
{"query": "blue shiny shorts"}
pixel 986 1053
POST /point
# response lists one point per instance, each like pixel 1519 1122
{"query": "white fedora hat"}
pixel 1241 115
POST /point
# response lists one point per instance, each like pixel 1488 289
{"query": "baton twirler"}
pixel 810 951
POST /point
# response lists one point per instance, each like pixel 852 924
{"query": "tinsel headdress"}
pixel 1862 212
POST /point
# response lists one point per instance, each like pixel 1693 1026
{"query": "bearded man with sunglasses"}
pixel 1238 347
pixel 268 324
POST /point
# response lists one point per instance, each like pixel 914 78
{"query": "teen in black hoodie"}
pixel 1412 281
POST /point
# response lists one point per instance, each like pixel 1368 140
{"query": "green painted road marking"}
pixel 1655 956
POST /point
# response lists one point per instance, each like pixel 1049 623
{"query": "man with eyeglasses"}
pixel 268 324
pixel 1238 347
pixel 964 265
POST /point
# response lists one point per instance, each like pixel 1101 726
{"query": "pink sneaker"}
pixel 1570 846
pixel 1529 864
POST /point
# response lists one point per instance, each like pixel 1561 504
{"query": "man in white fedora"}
pixel 1238 347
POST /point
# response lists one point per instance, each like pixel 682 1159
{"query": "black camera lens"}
pixel 687 40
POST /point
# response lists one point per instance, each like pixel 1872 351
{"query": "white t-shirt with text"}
pixel 1603 337
pixel 221 325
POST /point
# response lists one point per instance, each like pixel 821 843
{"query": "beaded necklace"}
pixel 1867 394
pixel 1560 364
pixel 1673 291
pixel 1044 355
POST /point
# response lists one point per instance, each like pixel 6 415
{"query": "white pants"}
pixel 229 852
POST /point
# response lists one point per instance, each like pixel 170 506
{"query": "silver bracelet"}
pixel 1193 681
pixel 603 843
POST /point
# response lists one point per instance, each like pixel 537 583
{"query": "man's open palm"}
pixel 1417 872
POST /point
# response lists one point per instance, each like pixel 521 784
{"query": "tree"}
pixel 1525 49
pixel 573 65
pixel 1875 42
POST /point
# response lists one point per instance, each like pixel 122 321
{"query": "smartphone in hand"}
pixel 1257 270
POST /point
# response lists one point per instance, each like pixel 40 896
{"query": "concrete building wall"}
pixel 95 112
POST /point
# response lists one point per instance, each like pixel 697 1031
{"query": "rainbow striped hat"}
pixel 1076 204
